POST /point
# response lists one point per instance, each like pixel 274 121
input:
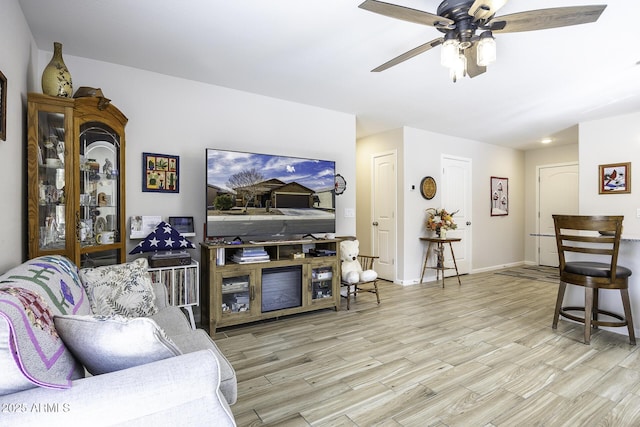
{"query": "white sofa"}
pixel 42 382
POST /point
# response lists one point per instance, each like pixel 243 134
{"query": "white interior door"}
pixel 557 194
pixel 456 196
pixel 384 190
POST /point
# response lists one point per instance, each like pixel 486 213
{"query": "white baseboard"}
pixel 498 267
pixel 432 278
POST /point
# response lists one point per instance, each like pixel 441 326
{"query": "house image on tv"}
pixel 214 191
pixel 276 194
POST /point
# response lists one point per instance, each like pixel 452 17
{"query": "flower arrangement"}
pixel 440 219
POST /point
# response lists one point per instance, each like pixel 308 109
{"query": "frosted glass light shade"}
pixel 459 68
pixel 486 50
pixel 449 53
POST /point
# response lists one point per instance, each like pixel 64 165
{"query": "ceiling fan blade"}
pixel 408 55
pixel 473 69
pixel 406 14
pixel 546 18
pixel 485 9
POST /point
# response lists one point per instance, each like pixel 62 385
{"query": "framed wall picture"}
pixel 160 173
pixel 428 187
pixel 615 178
pixel 3 107
pixel 499 196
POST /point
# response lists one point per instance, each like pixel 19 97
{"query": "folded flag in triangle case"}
pixel 163 238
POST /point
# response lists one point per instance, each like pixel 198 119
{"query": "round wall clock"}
pixel 428 187
pixel 340 184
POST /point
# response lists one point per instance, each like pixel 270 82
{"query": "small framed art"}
pixel 615 178
pixel 499 196
pixel 3 107
pixel 160 173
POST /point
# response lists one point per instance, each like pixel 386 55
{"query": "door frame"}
pixel 374 241
pixel 468 235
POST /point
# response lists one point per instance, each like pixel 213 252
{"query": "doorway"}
pixel 557 194
pixel 457 196
pixel 384 190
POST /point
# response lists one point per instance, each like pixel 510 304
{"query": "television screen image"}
pixel 263 196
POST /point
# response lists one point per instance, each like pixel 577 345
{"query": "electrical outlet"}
pixel 349 213
pixel 637 213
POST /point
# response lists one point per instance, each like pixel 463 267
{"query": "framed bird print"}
pixel 615 178
pixel 499 196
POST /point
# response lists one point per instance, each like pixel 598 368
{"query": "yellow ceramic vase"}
pixel 56 79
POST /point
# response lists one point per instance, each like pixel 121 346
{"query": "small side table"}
pixel 439 244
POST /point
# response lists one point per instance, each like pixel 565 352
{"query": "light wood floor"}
pixel 482 354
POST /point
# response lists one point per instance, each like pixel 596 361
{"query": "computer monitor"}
pixel 183 224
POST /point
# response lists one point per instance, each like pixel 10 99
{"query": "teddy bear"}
pixel 351 269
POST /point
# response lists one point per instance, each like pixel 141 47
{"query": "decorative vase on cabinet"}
pixel 75 208
pixel 56 79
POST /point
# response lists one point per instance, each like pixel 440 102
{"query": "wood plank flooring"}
pixel 480 354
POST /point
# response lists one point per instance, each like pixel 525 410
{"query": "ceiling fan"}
pixel 463 51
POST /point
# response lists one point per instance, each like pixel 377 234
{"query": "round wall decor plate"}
pixel 428 187
pixel 340 184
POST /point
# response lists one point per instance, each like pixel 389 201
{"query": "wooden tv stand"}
pixel 231 293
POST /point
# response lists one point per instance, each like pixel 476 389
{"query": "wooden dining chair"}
pixel 366 261
pixel 588 249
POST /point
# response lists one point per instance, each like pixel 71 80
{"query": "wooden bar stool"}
pixel 592 236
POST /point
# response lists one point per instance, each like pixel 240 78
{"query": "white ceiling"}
pixel 320 52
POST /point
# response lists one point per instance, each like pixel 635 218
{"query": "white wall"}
pixel 496 241
pixel 180 117
pixel 612 140
pixel 15 60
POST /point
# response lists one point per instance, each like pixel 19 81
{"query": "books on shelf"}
pixel 249 255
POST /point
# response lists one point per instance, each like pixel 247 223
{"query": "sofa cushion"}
pixel 124 289
pixel 111 343
pixel 172 320
pixel 199 340
pixel 30 295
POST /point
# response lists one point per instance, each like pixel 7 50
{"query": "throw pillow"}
pixel 30 295
pixel 124 289
pixel 111 343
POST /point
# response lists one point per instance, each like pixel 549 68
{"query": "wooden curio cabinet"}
pixel 76 182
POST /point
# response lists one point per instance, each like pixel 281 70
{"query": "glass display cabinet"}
pixel 76 179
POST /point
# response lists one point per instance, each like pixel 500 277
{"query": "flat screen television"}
pixel 255 196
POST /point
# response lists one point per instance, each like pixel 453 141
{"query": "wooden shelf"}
pixel 234 293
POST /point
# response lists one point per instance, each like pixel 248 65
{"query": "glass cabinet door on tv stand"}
pixel 237 296
pixel 76 179
pixel 321 284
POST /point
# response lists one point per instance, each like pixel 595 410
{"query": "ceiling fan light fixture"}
pixel 459 68
pixel 449 52
pixel 486 49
